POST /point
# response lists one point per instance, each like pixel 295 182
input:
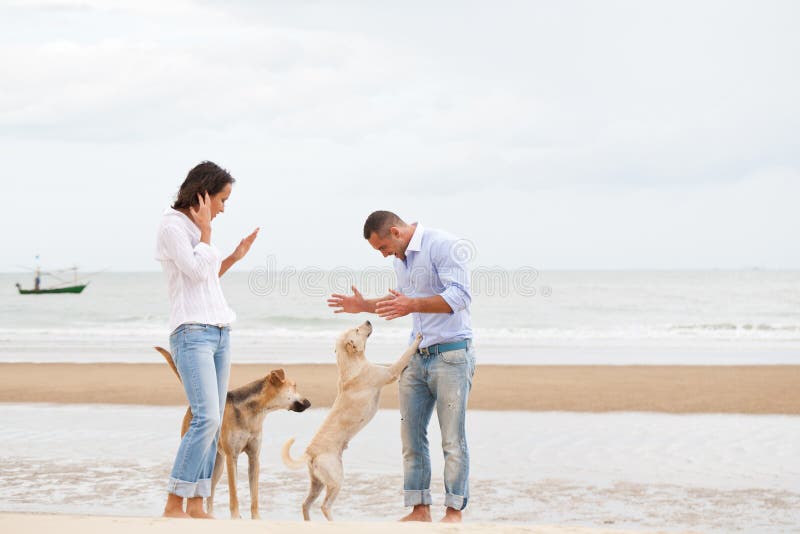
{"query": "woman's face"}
pixel 218 201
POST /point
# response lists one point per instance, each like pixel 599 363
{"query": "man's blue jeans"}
pixel 202 355
pixel 443 380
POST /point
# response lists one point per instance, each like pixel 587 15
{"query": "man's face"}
pixel 389 245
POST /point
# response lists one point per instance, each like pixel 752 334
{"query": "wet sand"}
pixel 69 524
pixel 765 389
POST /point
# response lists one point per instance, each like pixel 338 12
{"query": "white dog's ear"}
pixel 350 346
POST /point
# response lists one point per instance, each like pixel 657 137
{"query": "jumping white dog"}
pixel 360 385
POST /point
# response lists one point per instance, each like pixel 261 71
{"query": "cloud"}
pixel 575 103
pixel 488 111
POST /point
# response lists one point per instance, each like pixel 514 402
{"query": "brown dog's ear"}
pixel 350 346
pixel 277 377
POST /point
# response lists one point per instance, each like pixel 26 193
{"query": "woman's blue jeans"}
pixel 202 355
pixel 442 380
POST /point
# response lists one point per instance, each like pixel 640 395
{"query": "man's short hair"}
pixel 379 222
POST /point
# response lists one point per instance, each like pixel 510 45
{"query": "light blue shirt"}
pixel 432 268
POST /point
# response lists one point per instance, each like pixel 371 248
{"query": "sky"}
pixel 552 135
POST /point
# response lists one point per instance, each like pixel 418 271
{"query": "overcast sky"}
pixel 555 135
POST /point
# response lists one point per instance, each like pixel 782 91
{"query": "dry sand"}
pixel 765 389
pixel 68 524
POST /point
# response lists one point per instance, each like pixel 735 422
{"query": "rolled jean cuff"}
pixel 182 488
pixel 456 502
pixel 204 487
pixel 415 497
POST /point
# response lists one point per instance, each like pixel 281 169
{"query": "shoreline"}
pixel 46 523
pixel 755 389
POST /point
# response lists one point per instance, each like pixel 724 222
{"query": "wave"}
pixel 326 329
pixel 733 327
pixel 298 320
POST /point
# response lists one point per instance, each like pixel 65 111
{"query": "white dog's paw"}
pixel 417 340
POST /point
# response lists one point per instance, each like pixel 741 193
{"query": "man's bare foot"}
pixel 174 507
pixel 194 507
pixel 176 514
pixel 421 512
pixel 451 515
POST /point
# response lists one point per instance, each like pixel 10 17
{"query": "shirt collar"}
pixel 415 245
pixel 187 222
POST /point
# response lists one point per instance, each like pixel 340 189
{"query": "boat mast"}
pixel 37 280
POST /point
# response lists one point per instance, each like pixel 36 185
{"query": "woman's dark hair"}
pixel 207 176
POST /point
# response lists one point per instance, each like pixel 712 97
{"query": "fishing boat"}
pixel 63 286
pixel 66 289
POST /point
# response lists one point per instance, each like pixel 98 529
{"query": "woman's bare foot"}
pixel 451 515
pixel 194 507
pixel 201 515
pixel 174 507
pixel 421 512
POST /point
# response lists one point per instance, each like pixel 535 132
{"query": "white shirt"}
pixel 192 269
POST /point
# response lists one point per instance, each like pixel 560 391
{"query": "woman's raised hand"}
pixel 202 214
pixel 244 245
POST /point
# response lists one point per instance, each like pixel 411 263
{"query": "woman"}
pixel 200 324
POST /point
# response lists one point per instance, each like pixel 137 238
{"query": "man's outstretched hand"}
pixel 354 303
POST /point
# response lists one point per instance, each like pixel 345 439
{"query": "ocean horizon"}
pixel 711 317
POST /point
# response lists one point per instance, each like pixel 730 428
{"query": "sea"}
pixel 518 316
pixel 644 471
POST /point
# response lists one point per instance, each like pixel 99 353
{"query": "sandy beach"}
pixel 594 454
pixel 36 523
pixel 767 389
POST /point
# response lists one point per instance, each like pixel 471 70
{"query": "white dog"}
pixel 360 385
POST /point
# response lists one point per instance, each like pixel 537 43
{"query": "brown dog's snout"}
pixel 299 406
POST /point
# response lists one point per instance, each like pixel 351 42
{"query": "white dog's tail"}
pixel 290 462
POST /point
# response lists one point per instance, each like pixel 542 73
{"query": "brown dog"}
pixel 242 425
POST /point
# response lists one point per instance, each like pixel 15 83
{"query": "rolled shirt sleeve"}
pixel 197 262
pixel 454 276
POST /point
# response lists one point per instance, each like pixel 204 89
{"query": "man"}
pixel 433 287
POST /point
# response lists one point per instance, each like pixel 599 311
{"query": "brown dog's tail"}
pixel 167 356
pixel 290 462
